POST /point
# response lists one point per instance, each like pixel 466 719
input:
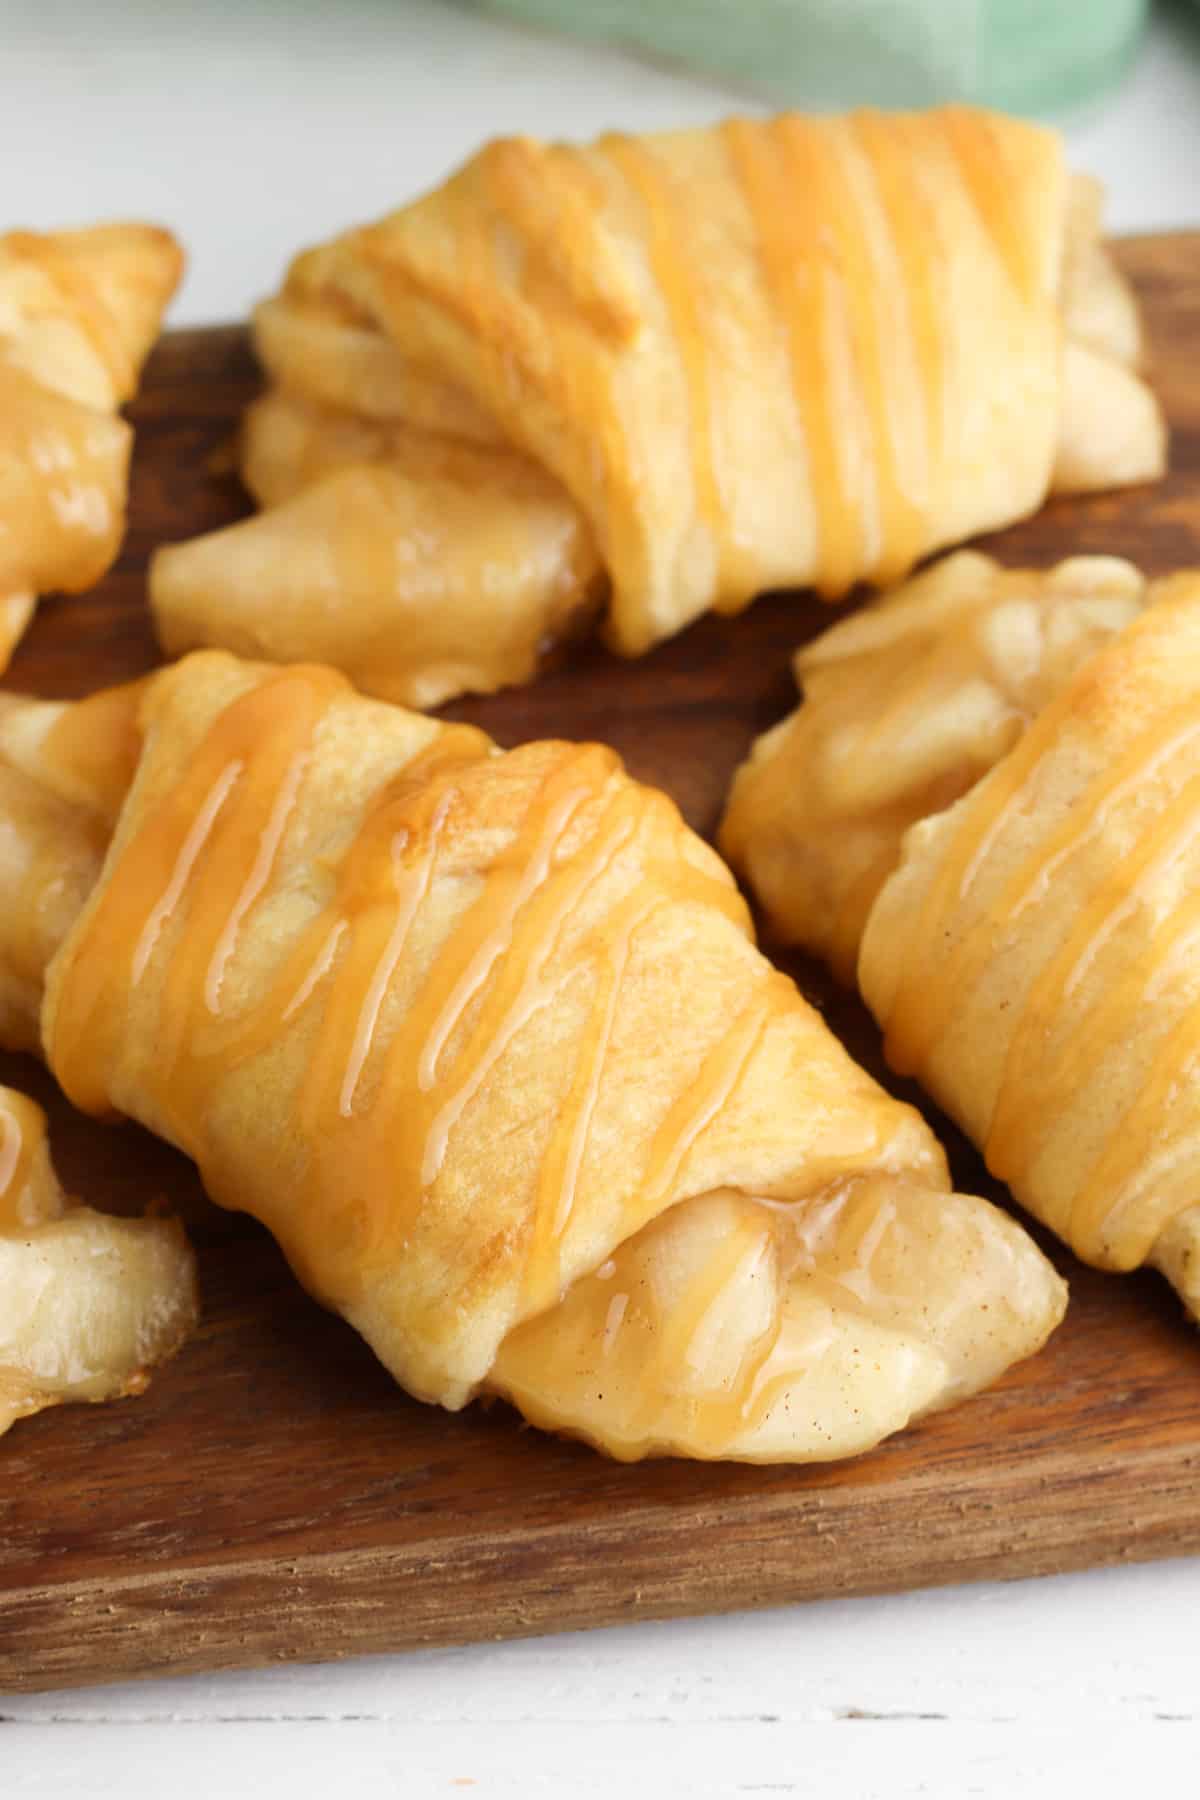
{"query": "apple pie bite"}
pixel 775 353
pixel 89 1304
pixel 905 705
pixel 484 1039
pixel 986 810
pixel 79 311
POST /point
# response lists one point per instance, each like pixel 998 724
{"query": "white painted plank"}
pixel 374 1761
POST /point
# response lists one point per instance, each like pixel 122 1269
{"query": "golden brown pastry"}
pixel 79 311
pixel 88 1303
pixel 320 352
pixel 423 567
pixel 1034 959
pixel 906 704
pixel 484 1039
pixel 64 773
pixel 774 353
pixel 288 443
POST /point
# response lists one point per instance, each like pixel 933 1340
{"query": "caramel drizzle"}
pixel 678 285
pixel 22 1132
pixel 843 1252
pixel 1122 1173
pixel 515 311
pixel 789 1235
pixel 264 862
pixel 656 1388
pixel 979 154
pixel 549 339
pixel 412 885
pixel 189 852
pixel 1032 1083
pixel 321 966
pixel 81 303
pixel 75 462
pixel 747 1243
pixel 562 1162
pixel 693 1111
pixel 270 732
pixel 892 147
pixel 521 989
pixel 1030 1089
pixel 825 282
pixel 585 1092
pixel 806 1231
pixel 820 153
pixel 923 1000
pixel 1031 1096
pixel 380 1096
pixel 521 940
pixel 406 834
pixel 551 199
pixel 794 266
pixel 719 1076
pixel 347 937
pixel 522 882
pixel 852 1287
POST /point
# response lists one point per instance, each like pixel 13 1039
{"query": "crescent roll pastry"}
pixel 88 1303
pixel 422 566
pixel 322 352
pixel 64 773
pixel 484 1039
pixel 775 353
pixel 79 311
pixel 906 704
pixel 288 443
pixel 1033 960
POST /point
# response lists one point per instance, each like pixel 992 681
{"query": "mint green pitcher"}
pixel 1020 55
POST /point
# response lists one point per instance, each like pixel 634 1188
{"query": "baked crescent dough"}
pixel 79 311
pixel 485 1041
pixel 1033 960
pixel 88 1303
pixel 422 567
pixel 65 770
pixel 906 704
pixel 776 353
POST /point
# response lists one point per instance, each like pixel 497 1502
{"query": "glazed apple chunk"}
pixel 89 1304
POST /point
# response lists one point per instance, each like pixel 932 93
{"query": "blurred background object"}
pixel 255 126
pixel 1023 55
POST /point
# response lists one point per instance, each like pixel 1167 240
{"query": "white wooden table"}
pixel 253 128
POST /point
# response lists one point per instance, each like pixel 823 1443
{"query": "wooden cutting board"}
pixel 275 1497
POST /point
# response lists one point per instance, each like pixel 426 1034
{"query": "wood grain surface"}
pixel 274 1496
